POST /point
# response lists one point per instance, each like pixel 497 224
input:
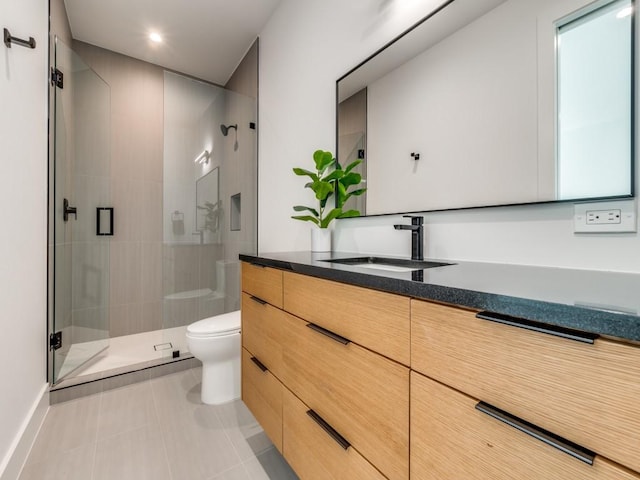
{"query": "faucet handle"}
pixel 415 219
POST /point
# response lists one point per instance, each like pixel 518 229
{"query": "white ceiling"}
pixel 203 38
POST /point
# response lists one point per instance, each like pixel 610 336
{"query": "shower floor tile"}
pixel 122 351
pixel 153 429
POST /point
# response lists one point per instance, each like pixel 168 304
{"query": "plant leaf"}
pixel 336 174
pixel 351 178
pixel 302 208
pixel 352 165
pixel 322 159
pixel 322 189
pixel 324 223
pixel 302 171
pixel 306 218
pixel 349 214
pixel 358 192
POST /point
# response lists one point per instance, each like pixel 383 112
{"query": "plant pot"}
pixel 320 240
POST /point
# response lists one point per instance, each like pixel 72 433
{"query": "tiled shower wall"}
pixel 143 269
pixel 136 188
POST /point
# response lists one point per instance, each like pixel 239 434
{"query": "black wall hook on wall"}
pixel 8 40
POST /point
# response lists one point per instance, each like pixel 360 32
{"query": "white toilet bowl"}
pixel 215 341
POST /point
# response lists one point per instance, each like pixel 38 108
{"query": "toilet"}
pixel 215 341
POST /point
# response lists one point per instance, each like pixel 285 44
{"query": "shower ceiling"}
pixel 203 38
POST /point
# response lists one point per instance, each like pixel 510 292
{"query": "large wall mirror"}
pixel 494 102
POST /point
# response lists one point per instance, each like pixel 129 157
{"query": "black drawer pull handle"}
pixel 340 440
pixel 539 327
pixel 538 433
pixel 259 265
pixel 259 364
pixel 258 300
pixel 329 333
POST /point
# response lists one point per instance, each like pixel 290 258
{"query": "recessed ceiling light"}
pixel 155 37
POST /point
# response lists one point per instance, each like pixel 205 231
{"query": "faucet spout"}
pixel 417 236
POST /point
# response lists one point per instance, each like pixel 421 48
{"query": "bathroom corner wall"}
pixel 23 253
pixel 135 188
pixel 240 170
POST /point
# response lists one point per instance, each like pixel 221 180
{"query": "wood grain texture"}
pixel 262 332
pixel 262 393
pixel 589 394
pixel 451 440
pixel 262 282
pixel 376 320
pixel 361 394
pixel 313 454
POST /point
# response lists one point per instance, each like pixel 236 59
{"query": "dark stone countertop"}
pixel 605 303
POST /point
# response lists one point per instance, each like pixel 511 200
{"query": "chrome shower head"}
pixel 225 128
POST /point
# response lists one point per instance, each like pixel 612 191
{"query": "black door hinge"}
pixel 57 78
pixel 55 340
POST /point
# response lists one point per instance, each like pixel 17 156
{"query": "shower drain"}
pixel 163 346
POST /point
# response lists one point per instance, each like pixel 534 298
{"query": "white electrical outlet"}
pixel 617 216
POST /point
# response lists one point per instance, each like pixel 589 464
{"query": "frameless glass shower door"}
pixel 82 219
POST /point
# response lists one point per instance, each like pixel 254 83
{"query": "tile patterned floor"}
pixel 157 429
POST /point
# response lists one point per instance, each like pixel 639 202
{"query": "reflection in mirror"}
pixel 474 89
pixel 208 207
pixel 594 102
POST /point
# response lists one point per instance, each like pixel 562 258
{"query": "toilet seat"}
pixel 218 326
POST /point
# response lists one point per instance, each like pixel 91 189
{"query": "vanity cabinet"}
pixel 354 383
pixel 582 388
pixel 342 371
pixel 261 348
pixel 262 393
pixel 313 453
pixel 376 320
pixel 452 439
pixel 360 393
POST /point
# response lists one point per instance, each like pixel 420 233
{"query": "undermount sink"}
pixel 388 264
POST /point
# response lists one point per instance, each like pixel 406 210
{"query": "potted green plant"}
pixel 328 181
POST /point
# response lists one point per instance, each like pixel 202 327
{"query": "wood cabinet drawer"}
pixel 376 320
pixel 262 282
pixel 313 453
pixel 362 394
pixel 451 439
pixel 262 332
pixel 587 393
pixel 262 393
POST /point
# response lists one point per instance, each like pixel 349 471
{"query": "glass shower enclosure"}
pixel 82 218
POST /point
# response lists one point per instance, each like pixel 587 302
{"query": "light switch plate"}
pixel 616 216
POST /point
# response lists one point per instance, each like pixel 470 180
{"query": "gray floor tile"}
pixel 174 393
pixel 134 455
pixel 246 435
pixel 125 409
pixel 197 446
pixel 67 426
pixel 236 473
pixel 76 464
pixel 157 429
pixel 269 465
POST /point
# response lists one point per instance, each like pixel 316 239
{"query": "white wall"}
pixel 301 58
pixel 23 189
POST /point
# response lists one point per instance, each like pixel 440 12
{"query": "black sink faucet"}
pixel 417 236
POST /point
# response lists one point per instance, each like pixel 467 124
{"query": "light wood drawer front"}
pixel 363 395
pixel 262 282
pixel 376 320
pixel 313 454
pixel 589 394
pixel 262 393
pixel 451 440
pixel 262 332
